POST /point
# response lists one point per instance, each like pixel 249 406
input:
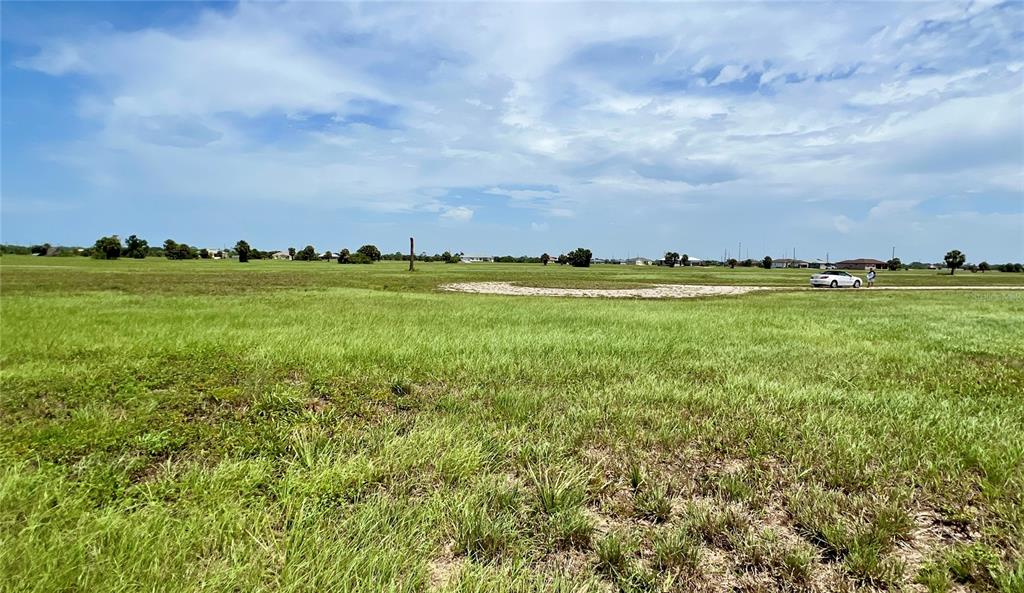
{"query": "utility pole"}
pixel 412 254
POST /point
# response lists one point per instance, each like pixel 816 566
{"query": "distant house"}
pixel 476 259
pixel 637 261
pixel 860 264
pixel 821 264
pixel 694 261
pixel 790 263
pixel 280 255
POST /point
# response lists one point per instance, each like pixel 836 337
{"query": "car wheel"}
pixel 856 283
pixel 835 284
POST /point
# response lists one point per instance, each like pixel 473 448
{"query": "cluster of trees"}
pixel 577 258
pixel 732 262
pixel 673 259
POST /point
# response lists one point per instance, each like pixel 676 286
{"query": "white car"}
pixel 835 279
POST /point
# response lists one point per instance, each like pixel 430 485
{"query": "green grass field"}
pixel 291 426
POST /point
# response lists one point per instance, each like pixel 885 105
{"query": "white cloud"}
pixel 457 214
pixel 730 73
pixel 887 208
pixel 355 105
pixel 843 224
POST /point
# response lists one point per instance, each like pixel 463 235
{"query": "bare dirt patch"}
pixel 655 291
pixel 661 291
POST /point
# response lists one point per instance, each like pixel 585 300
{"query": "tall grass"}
pixel 299 427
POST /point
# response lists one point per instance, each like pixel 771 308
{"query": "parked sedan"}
pixel 835 279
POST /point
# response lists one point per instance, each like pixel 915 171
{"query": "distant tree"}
pixel 370 251
pixel 732 262
pixel 135 247
pixel 954 259
pixel 243 250
pixel 747 263
pixel 308 253
pixel 894 264
pixel 15 249
pixel 984 267
pixel 39 249
pixel 173 250
pixel 204 253
pixel 343 256
pixel 685 261
pixel 446 257
pixel 545 258
pixel 359 258
pixel 579 258
pixel 766 263
pixel 291 252
pixel 107 248
pixel 671 259
pixel 328 256
pixel 562 260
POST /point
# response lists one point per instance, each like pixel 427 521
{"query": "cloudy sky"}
pixel 839 128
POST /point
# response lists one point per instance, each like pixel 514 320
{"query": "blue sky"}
pixel 839 128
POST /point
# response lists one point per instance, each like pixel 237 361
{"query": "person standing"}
pixel 871 277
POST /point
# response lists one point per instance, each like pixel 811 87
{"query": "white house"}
pixel 789 263
pixel 637 261
pixel 280 255
pixel 475 259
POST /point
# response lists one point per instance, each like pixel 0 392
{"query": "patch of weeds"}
pixel 401 387
pixel 1012 579
pixel 637 476
pixel 570 529
pixel 676 550
pixel 733 487
pixel 796 565
pixel 503 496
pixel 935 577
pixel 653 504
pixel 974 564
pixel 789 563
pixel 818 517
pixel 481 536
pixel 558 491
pixel 890 524
pixel 756 550
pixel 613 552
pixel 868 564
pixel 719 527
pixel 638 578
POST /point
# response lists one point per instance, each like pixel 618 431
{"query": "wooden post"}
pixel 412 254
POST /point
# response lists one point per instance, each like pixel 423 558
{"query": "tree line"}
pixel 111 247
